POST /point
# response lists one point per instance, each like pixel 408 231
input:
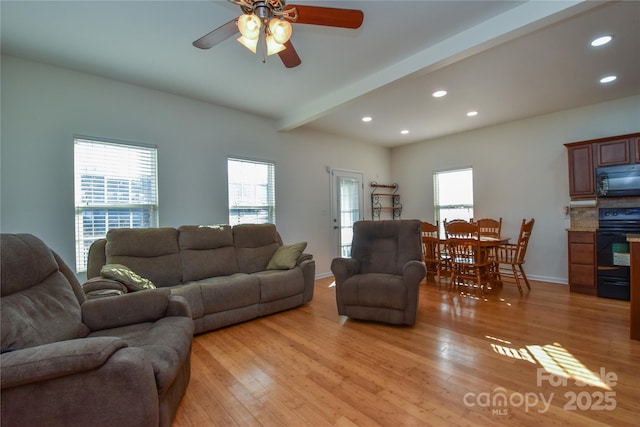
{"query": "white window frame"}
pixel 251 194
pixel 116 186
pixel 463 208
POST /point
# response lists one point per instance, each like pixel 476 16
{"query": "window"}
pixel 252 197
pixel 115 187
pixel 453 195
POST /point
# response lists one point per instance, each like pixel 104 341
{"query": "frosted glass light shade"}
pixel 280 30
pixel 249 26
pixel 273 46
pixel 250 44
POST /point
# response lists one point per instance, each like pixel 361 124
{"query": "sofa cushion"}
pixel 38 302
pixel 375 290
pixel 206 251
pixel 152 253
pixel 286 257
pixel 386 246
pixel 229 292
pixel 255 245
pixel 124 275
pixel 279 284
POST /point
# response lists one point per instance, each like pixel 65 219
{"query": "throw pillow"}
pixel 286 256
pixel 126 276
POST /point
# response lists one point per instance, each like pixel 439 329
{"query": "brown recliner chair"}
pixel 380 281
pixel 66 361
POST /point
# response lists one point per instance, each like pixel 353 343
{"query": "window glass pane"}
pixel 115 187
pixel 349 189
pixel 251 192
pixel 453 192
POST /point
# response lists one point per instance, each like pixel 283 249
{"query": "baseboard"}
pixel 550 279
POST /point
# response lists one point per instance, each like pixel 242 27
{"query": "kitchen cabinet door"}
pixel 581 171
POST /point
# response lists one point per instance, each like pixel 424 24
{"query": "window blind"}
pixel 116 186
pixel 251 191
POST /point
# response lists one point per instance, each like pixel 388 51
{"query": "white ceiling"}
pixel 506 59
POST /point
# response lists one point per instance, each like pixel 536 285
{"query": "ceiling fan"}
pixel 269 22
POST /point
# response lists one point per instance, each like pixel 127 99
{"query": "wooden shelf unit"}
pixel 385 199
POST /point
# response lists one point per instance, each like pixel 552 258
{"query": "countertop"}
pixel 633 238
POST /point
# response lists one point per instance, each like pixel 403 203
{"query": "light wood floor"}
pixel 466 362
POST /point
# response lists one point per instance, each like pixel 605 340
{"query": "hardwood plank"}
pixel 309 366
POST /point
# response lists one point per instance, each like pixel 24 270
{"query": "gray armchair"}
pixel 380 281
pixel 66 361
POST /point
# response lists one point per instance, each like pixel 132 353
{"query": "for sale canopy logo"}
pixel 500 401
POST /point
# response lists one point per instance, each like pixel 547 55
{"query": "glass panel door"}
pixel 347 208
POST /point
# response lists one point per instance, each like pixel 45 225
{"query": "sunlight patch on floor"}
pixel 553 358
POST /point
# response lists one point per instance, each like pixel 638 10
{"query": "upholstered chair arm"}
pixel 413 272
pixel 49 361
pixel 136 307
pixel 343 268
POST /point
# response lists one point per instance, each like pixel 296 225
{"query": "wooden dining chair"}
pixel 490 227
pixel 434 252
pixel 460 228
pixel 469 259
pixel 513 254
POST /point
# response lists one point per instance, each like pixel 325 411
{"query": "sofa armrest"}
pixel 304 257
pixel 49 361
pixel 178 306
pixel 343 268
pixel 100 287
pixel 136 307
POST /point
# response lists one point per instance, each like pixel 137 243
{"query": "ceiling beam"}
pixel 525 18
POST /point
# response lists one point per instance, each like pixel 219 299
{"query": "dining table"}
pixel 491 244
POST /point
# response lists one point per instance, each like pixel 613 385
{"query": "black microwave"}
pixel 618 181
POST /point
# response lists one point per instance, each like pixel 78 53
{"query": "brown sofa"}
pixel 223 272
pixel 68 361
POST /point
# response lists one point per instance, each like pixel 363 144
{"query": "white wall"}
pixel 520 168
pixel 44 106
pixel 520 171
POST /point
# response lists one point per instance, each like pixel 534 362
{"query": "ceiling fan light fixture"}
pixel 273 46
pixel 280 30
pixel 249 26
pixel 251 44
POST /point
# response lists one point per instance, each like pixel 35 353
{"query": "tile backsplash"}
pixel 587 217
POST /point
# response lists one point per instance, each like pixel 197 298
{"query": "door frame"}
pixel 335 225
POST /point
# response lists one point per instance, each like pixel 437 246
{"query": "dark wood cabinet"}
pixel 581 171
pixel 585 156
pixel 611 153
pixel 582 262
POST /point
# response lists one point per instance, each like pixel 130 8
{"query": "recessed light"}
pixel 601 41
pixel 472 113
pixel 404 132
pixel 367 119
pixel 439 93
pixel 608 79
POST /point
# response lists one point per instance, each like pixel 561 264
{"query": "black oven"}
pixel 613 250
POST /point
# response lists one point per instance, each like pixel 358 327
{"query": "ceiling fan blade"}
pixel 328 16
pixel 289 56
pixel 218 35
